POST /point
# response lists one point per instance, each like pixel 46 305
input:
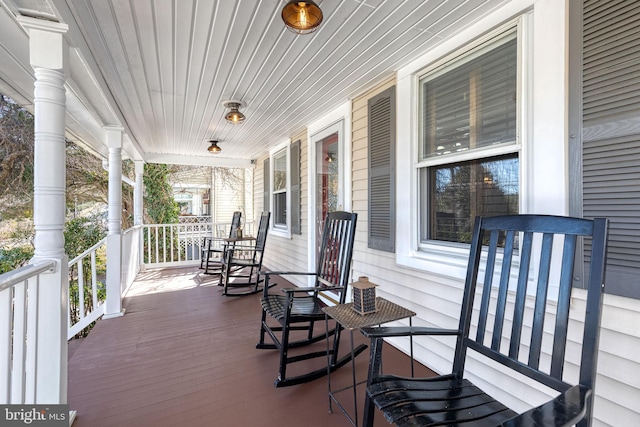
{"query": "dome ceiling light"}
pixel 234 115
pixel 302 17
pixel 213 148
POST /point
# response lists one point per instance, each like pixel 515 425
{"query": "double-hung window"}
pixel 280 189
pixel 468 150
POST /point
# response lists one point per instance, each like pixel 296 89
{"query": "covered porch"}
pixel 150 82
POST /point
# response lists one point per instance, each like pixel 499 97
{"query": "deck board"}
pixel 184 354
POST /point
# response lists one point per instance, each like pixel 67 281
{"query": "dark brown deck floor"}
pixel 184 355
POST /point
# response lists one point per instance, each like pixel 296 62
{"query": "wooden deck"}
pixel 184 355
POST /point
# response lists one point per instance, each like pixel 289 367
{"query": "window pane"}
pixel 461 191
pixel 280 208
pixel 472 104
pixel 280 170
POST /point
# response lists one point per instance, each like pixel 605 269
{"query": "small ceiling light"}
pixel 213 148
pixel 234 115
pixel 302 17
pixel 330 158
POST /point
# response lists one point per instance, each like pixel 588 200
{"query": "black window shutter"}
pixel 611 135
pixel 382 176
pixel 294 170
pixel 266 180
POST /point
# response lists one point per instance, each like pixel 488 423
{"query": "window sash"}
pixel 463 104
pixel 454 194
pixel 280 208
pixel 280 170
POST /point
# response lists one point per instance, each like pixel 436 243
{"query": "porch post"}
pixel 48 52
pixel 137 194
pixel 113 305
pixel 138 210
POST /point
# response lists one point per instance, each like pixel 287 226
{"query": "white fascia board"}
pixel 210 160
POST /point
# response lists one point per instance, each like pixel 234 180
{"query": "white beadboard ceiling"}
pixel 162 68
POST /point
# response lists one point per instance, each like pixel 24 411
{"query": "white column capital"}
pixel 114 136
pixel 139 165
pixel 47 45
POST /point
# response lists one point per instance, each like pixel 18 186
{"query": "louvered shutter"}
pixel 294 170
pixel 382 145
pixel 611 134
pixel 266 181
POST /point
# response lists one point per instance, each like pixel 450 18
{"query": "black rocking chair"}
pixel 213 249
pixel 244 262
pixel 298 309
pixel 516 286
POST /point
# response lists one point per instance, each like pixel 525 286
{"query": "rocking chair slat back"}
pixel 334 261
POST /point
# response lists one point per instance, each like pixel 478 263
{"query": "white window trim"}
pixel 445 258
pixel 274 229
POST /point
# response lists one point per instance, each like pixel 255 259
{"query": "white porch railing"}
pixel 172 245
pixel 87 290
pixel 19 291
pixel 162 245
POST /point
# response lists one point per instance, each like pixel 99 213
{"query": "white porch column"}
pixel 137 194
pixel 48 52
pixel 113 305
pixel 138 210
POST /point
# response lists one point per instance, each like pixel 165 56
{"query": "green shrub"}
pixel 12 258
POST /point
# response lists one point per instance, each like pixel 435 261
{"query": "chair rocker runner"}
pixel 244 262
pixel 213 249
pixel 297 309
pixel 527 285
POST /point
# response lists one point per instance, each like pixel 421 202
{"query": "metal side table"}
pixel 349 319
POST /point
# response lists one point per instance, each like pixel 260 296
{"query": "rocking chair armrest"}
pixel 311 289
pixel 281 273
pixel 267 275
pixel 403 331
pixel 566 409
pixel 298 290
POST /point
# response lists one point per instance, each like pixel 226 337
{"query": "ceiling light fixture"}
pixel 234 115
pixel 213 148
pixel 302 17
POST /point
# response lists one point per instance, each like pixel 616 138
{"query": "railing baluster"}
pixel 155 229
pixel 19 342
pixel 171 228
pixel 80 265
pixel 33 291
pixel 190 237
pixel 149 260
pixel 94 280
pixel 6 314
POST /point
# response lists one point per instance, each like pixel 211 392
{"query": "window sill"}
pixel 280 232
pixel 437 259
